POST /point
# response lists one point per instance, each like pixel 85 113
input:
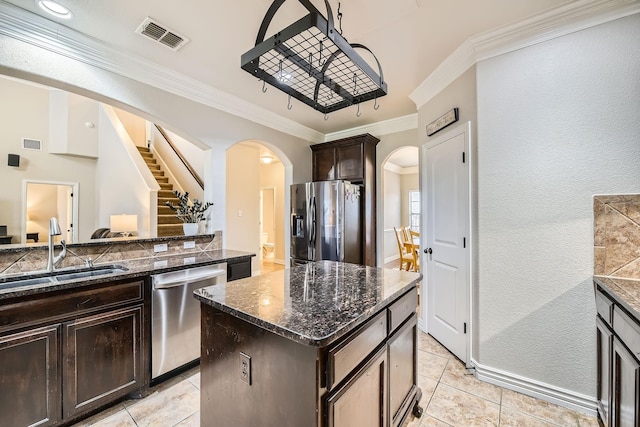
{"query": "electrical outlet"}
pixel 245 368
pixel 162 247
pixel 189 245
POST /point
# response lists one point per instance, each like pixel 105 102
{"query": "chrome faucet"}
pixel 54 230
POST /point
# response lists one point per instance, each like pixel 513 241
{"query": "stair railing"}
pixel 181 157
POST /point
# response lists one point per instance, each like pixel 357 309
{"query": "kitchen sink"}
pixel 26 282
pixel 62 276
pixel 96 271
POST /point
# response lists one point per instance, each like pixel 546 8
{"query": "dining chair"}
pixel 406 258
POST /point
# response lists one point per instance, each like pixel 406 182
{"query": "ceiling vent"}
pixel 161 34
pixel 31 144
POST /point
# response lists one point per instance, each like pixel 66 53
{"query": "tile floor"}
pixel 451 396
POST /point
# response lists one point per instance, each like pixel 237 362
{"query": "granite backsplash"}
pixel 21 259
pixel 617 236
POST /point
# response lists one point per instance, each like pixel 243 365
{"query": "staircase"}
pixel 168 223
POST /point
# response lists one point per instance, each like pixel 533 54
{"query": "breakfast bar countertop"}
pixel 625 291
pixel 132 268
pixel 313 304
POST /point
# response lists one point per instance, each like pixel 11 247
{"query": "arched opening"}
pixel 258 176
pixel 400 200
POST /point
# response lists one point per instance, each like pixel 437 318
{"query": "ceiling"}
pixel 409 37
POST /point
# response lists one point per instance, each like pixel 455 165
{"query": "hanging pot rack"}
pixel 312 62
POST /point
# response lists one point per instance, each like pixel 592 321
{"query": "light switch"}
pixel 239 213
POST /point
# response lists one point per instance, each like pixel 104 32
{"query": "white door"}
pixel 445 258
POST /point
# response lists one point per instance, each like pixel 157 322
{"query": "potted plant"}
pixel 191 213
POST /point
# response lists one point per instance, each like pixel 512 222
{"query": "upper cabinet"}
pixel 352 159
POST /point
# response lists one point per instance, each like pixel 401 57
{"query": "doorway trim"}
pixel 74 206
pixel 463 128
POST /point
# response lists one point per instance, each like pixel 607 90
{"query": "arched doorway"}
pixel 258 178
pixel 400 199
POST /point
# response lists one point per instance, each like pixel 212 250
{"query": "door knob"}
pixel 428 251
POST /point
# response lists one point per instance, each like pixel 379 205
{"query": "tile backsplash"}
pixel 616 237
pixel 33 258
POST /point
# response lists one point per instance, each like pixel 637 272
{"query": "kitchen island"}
pixel 321 344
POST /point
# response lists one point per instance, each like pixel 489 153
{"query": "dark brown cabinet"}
pixel 362 399
pixel 65 353
pixel 103 359
pixel 352 159
pixel 30 378
pixel 618 345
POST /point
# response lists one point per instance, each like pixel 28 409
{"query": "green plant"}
pixel 188 211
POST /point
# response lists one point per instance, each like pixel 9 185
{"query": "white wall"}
pixel 557 123
pixel 25 114
pixel 243 200
pixel 121 189
pixel 392 195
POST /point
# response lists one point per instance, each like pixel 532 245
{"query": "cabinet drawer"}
pixel 604 307
pixel 238 270
pixel 348 354
pixel 628 331
pixel 66 304
pixel 403 308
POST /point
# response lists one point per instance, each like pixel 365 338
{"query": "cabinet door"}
pixel 402 370
pixel 324 164
pixel 103 359
pixel 30 378
pixel 604 342
pixel 362 400
pixel 349 161
pixel 625 405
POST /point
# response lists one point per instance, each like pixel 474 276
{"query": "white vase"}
pixel 190 228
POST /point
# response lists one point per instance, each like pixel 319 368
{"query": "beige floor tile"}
pixel 428 421
pixel 101 416
pixel 429 344
pixel 192 421
pixel 587 421
pixel 119 419
pixel 431 365
pixel 460 408
pixel 539 408
pixel 428 387
pixel 167 407
pixel 509 417
pixel 458 377
pixel 195 380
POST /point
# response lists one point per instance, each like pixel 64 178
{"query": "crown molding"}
pixel 384 127
pixel 33 29
pixel 543 27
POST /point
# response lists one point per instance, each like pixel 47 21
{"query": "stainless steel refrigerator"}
pixel 326 222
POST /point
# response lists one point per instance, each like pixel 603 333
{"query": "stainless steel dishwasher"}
pixel 175 322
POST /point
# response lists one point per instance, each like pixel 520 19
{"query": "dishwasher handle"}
pixel 174 281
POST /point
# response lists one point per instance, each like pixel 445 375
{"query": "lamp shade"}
pixel 123 223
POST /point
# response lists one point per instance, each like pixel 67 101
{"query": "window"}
pixel 414 210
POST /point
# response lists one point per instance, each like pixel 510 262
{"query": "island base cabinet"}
pixel 626 387
pixel 103 359
pixel 361 401
pixel 29 378
pixel 403 371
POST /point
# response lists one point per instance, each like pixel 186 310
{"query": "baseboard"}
pixel 549 393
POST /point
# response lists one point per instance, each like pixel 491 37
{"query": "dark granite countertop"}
pixel 625 291
pixel 134 268
pixel 313 304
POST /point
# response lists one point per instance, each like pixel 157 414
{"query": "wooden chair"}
pixel 406 258
pixel 416 254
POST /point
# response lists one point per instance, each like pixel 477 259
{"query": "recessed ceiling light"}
pixel 55 9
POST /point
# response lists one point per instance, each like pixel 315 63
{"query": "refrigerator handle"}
pixel 312 234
